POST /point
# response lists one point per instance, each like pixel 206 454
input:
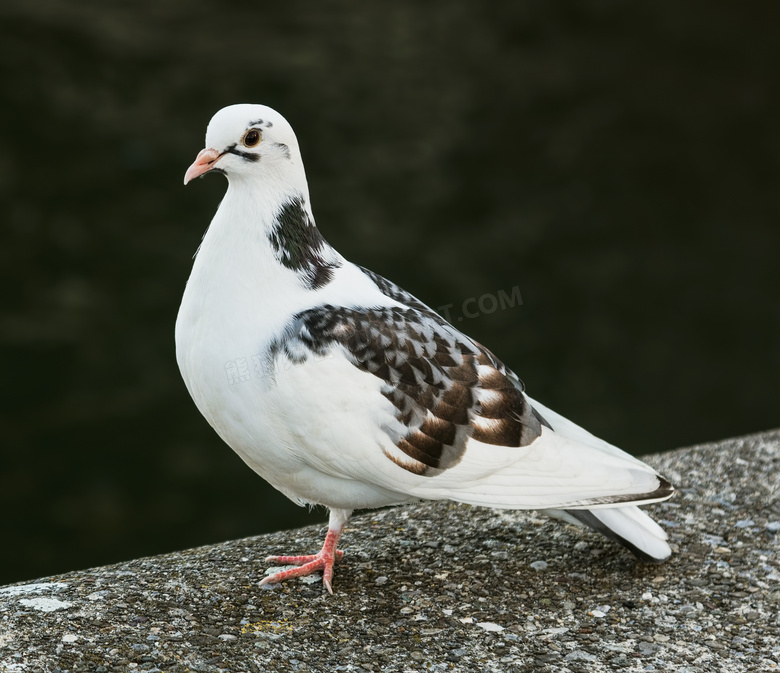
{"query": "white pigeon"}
pixel 341 389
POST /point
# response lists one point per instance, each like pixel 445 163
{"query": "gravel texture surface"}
pixel 442 587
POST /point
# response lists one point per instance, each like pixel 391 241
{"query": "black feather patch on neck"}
pixel 300 247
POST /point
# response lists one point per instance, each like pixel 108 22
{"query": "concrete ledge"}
pixel 440 587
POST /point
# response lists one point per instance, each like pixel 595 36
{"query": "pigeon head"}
pixel 247 140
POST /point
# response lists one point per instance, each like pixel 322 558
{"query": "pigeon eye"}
pixel 251 138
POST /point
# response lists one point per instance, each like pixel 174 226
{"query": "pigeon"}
pixel 341 389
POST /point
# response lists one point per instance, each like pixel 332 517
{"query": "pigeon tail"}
pixel 629 526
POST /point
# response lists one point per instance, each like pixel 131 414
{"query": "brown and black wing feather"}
pixel 445 388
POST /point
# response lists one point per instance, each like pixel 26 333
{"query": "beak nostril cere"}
pixel 203 163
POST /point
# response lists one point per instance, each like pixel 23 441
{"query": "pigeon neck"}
pixel 298 245
pixel 275 229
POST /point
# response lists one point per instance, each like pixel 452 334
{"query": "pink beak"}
pixel 203 163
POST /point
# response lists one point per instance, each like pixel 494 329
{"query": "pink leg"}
pixel 323 560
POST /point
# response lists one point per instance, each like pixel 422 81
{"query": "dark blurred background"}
pixel 617 162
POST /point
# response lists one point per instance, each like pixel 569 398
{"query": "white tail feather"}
pixel 630 524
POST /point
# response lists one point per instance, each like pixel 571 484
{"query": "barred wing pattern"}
pixel 446 388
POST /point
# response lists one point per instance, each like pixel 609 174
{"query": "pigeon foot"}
pixel 323 560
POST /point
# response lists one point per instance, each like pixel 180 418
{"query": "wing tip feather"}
pixel 664 491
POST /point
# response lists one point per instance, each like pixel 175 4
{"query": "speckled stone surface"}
pixel 442 587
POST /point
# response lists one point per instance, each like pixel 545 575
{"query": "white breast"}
pixel 238 300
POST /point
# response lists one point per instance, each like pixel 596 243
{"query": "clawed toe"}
pixel 309 564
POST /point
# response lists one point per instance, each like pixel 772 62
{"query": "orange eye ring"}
pixel 251 138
